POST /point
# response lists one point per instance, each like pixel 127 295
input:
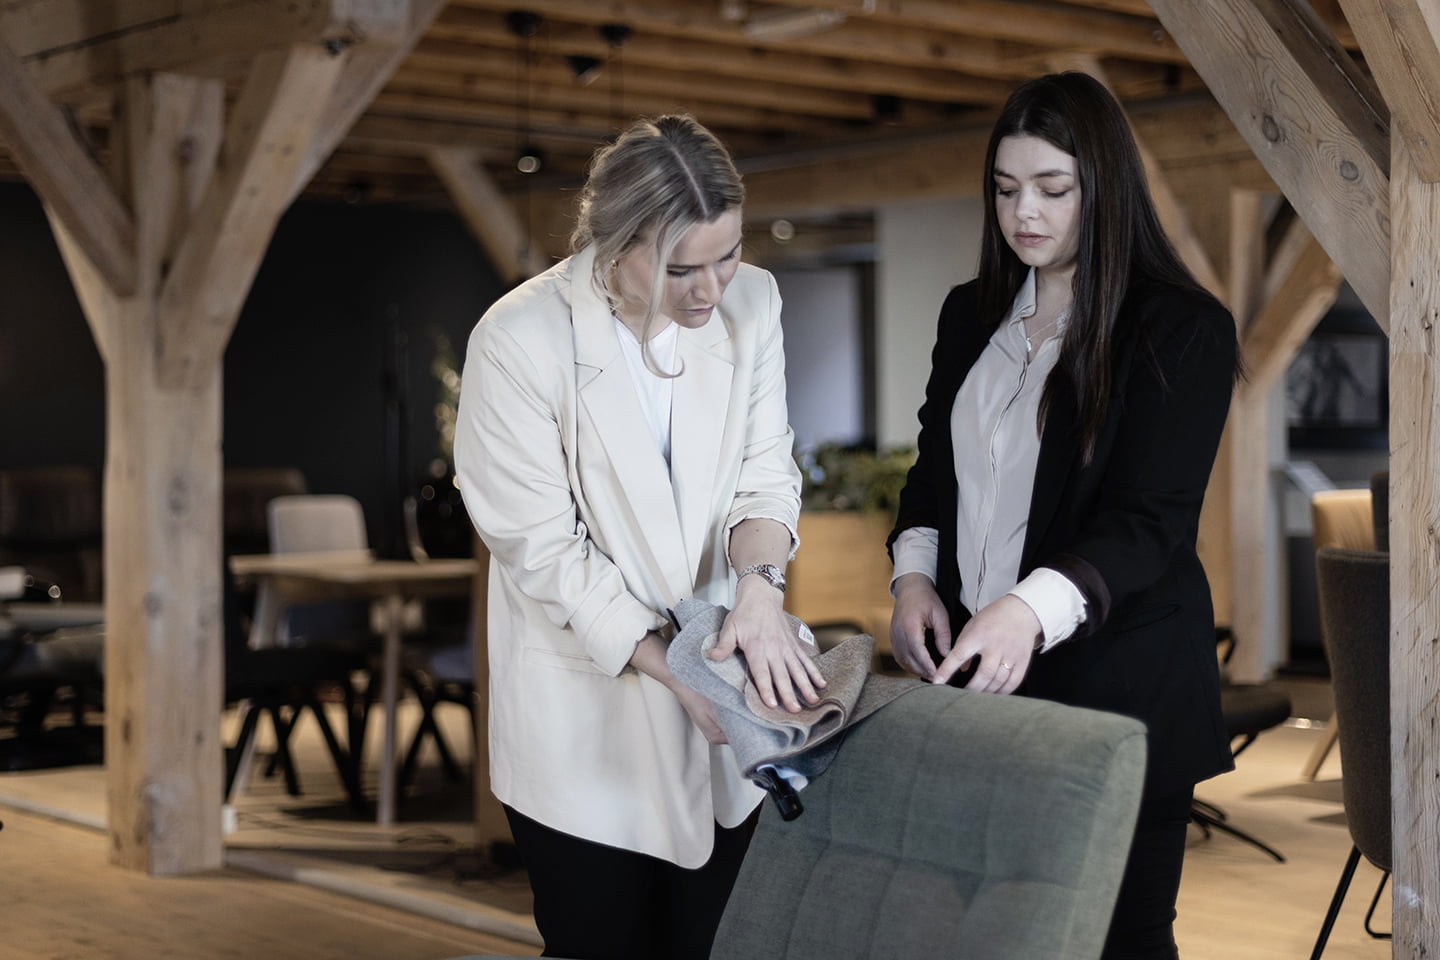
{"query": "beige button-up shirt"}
pixel 997 445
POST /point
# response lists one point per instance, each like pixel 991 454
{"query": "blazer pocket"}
pixel 1144 617
pixel 564 661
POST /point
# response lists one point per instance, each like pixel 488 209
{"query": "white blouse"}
pixel 997 445
pixel 655 392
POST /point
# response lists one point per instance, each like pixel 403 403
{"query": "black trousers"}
pixel 1143 925
pixel 594 902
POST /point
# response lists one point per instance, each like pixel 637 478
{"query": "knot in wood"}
pixel 1349 171
pixel 178 496
pixel 1270 128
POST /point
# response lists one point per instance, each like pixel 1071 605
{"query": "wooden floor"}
pixel 59 898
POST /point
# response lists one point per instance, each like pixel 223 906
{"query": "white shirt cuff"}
pixel 916 551
pixel 1058 604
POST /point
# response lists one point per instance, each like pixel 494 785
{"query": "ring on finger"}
pixel 1006 665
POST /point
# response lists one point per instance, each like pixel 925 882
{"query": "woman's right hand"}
pixel 702 713
pixel 917 608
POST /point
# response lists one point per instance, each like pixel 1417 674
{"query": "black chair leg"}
pixel 1374 902
pixel 1335 902
pixel 248 724
pixel 282 748
pixel 1206 821
pixel 344 763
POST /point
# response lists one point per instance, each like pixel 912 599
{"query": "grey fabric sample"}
pixel 760 734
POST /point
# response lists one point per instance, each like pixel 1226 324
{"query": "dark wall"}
pixel 328 368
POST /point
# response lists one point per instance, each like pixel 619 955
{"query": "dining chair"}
pixel 1354 587
pixel 948 818
pixel 282 683
pixel 1248 709
pixel 1340 518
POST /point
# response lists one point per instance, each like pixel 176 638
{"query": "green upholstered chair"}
pixel 951 823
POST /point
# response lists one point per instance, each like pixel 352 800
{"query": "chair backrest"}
pixel 308 523
pixel 314 523
pixel 948 818
pixel 245 503
pixel 1342 519
pixel 1354 588
pixel 1380 508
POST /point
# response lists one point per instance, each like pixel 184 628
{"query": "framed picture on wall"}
pixel 1337 387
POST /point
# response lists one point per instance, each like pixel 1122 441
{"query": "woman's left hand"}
pixel 1003 636
pixel 781 664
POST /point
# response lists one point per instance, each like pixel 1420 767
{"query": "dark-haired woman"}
pixel 1046 534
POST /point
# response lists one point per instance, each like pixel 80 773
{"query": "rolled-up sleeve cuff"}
pixel 917 550
pixel 1058 604
pixel 779 513
pixel 612 633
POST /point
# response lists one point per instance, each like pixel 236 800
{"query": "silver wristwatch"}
pixel 768 572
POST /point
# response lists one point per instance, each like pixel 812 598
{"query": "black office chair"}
pixel 1249 710
pixel 283 683
pixel 1354 588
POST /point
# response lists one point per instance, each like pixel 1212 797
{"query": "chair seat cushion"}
pixel 1251 708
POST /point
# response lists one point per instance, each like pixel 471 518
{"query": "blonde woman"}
pixel 622 444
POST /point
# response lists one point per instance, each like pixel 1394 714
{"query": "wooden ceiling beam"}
pixel 488 213
pixel 865 40
pixel 66 177
pixel 484 79
pixel 1301 112
pixel 366 70
pixel 1273 338
pixel 1400 44
pixel 931 78
pixel 72 44
pixel 266 141
pixel 1094 31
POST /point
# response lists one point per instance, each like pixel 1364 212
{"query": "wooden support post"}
pixel 1414 558
pixel 162 516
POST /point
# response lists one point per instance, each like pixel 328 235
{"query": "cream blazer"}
pixel 592 539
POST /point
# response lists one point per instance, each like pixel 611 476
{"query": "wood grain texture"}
pixel 1296 109
pixel 1415 559
pixel 64 174
pixel 1400 45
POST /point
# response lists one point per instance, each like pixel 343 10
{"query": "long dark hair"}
pixel 1121 240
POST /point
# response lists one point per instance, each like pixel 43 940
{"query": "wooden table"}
pixel 348 575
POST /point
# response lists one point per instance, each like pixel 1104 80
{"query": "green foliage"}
pixel 840 477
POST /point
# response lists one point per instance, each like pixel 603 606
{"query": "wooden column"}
pixel 162 508
pixel 1414 558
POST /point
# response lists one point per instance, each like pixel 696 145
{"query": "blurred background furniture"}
pixel 1341 518
pixel 1355 613
pixel 51 656
pixel 50 524
pixel 1249 709
pixel 282 682
pixel 337 572
pixel 949 821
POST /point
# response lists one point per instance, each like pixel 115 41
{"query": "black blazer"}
pixel 1122 527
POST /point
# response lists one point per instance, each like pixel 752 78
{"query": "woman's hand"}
pixel 917 608
pixel 1003 636
pixel 781 664
pixel 702 713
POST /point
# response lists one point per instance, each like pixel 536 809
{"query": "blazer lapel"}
pixel 1052 474
pixel 699 410
pixel 607 396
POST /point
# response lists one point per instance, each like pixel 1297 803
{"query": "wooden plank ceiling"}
pixel 776 81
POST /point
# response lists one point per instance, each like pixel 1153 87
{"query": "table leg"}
pixel 389 694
